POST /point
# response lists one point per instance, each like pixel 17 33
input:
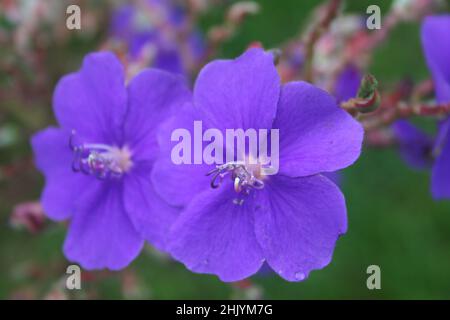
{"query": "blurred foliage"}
pixel 393 221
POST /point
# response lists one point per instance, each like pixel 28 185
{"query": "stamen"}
pixel 100 160
pixel 243 177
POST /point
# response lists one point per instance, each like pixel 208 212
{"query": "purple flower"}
pixel 97 163
pixel 290 220
pixel 436 44
pixel 157 23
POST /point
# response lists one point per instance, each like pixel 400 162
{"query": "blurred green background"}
pixel 393 221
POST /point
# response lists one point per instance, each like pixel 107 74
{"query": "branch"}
pixel 368 98
pixel 402 111
pixel 318 30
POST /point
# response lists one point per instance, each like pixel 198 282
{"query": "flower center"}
pixel 100 160
pixel 245 176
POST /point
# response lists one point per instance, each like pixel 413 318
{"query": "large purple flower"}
pixel 292 219
pixel 97 163
pixel 436 44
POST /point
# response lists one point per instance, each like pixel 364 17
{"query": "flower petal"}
pixel 53 158
pixel 101 234
pixel 440 177
pixel 153 96
pixel 298 224
pixel 335 176
pixel 347 83
pixel 92 101
pixel 214 235
pixel 240 93
pixel 315 134
pixel 151 216
pixel 436 45
pixel 178 183
pixel 415 145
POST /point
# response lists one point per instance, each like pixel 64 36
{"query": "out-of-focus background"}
pixel 393 221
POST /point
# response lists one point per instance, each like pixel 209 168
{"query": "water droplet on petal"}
pixel 299 276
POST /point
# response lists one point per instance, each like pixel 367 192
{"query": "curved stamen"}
pixel 243 178
pixel 100 160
